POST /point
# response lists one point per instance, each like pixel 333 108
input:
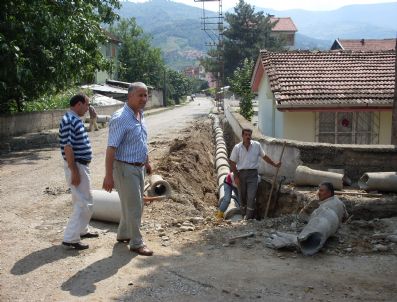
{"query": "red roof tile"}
pixel 283 24
pixel 367 44
pixel 330 79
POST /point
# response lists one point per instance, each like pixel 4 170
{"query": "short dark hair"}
pixel 246 130
pixel 329 186
pixel 82 98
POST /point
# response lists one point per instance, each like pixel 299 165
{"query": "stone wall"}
pixel 354 159
pixel 28 122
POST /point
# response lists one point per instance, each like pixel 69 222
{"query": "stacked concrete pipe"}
pixel 107 206
pixel 222 169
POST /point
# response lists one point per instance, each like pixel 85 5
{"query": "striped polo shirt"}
pixel 72 132
pixel 128 135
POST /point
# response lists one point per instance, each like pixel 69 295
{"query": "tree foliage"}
pixel 139 61
pixel 178 85
pixel 240 84
pixel 48 45
pixel 247 32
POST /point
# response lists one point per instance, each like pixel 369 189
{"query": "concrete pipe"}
pixel 381 181
pixel 221 151
pixel 323 223
pixel 233 211
pixel 305 176
pixel 221 162
pixel 103 118
pixel 221 155
pixel 106 206
pixel 219 139
pixel 222 171
pixel 223 144
pixel 158 186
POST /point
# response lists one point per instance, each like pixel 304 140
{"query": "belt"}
pixel 82 161
pixel 132 164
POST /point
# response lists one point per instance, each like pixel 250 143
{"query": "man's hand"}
pixel 75 176
pixel 148 168
pixel 277 165
pixel 108 183
pixel 237 180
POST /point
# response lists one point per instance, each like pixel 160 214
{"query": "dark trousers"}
pixel 248 188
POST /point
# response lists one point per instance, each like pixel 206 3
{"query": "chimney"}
pixel 362 41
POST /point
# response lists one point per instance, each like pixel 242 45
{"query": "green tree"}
pixel 47 45
pixel 178 85
pixel 247 32
pixel 139 61
pixel 240 84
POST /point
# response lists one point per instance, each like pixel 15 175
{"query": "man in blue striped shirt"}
pixel 126 159
pixel 77 154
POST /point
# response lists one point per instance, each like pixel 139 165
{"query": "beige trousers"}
pixel 129 182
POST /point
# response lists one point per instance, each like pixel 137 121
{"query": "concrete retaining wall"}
pixel 354 159
pixel 21 123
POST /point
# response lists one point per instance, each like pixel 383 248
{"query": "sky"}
pixel 280 4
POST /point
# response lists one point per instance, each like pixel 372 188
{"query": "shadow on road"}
pixel 83 282
pixel 40 258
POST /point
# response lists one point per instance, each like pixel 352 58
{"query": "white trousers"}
pixel 82 204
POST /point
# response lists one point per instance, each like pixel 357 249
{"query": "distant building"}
pixel 285 29
pixel 364 44
pixel 109 50
pixel 338 97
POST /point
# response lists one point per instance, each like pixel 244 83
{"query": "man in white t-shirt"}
pixel 244 162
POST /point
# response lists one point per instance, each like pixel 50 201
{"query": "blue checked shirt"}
pixel 128 136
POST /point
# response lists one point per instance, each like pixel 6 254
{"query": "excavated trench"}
pixel 288 199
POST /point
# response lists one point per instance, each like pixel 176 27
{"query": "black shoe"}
pixel 77 245
pixel 90 235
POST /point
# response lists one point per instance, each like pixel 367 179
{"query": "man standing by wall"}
pixel 244 162
pixel 93 118
pixel 126 159
pixel 77 154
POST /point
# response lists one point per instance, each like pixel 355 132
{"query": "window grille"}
pixel 347 127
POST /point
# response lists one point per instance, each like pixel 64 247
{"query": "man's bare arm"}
pixel 69 154
pixel 108 182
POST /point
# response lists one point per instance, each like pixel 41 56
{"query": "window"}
pixel 347 127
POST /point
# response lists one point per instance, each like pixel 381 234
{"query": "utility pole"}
pixel 213 27
pixel 394 113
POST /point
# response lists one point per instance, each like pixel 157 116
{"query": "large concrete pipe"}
pixel 381 181
pixel 222 171
pixel 233 211
pixel 221 151
pixel 305 176
pixel 221 162
pixel 106 206
pixel 323 222
pixel 158 186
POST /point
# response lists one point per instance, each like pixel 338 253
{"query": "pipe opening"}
pixel 160 189
pixel 311 243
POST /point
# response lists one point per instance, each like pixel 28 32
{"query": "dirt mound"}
pixel 189 168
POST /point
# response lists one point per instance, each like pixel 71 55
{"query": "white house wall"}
pixel 265 108
pixel 300 126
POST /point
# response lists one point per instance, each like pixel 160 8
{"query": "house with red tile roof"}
pixel 364 44
pixel 284 28
pixel 341 97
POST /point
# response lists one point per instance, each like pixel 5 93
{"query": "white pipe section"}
pixel 323 223
pixel 381 181
pixel 106 206
pixel 158 186
pixel 305 176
